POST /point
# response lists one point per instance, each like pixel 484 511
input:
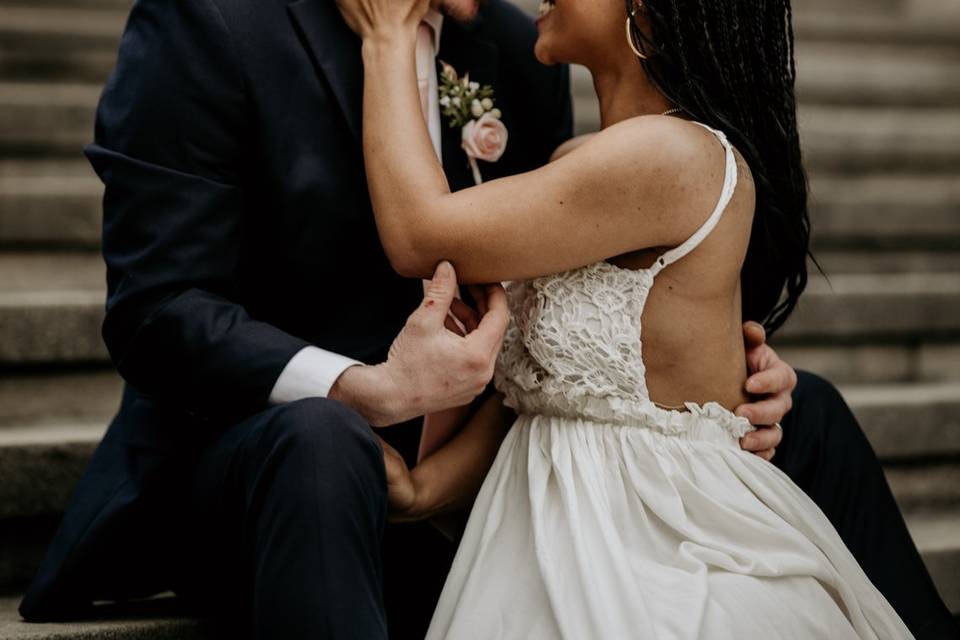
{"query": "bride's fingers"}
pixel 453 326
pixel 479 298
pixel 465 314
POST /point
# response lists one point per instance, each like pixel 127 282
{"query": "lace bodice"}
pixel 574 348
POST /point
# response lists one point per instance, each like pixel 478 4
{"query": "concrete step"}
pixel 159 619
pixel 909 421
pixel 865 308
pixel 893 26
pixel 857 140
pixel 857 364
pixel 51 308
pixel 77 396
pixel 46 203
pixel 868 74
pixel 937 536
pixel 878 74
pixel 46 119
pixel 48 42
pixel 876 261
pixel 40 464
pixel 886 211
pixel 925 486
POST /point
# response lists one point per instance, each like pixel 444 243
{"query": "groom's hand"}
pixel 771 383
pixel 431 367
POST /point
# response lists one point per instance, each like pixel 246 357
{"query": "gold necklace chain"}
pixel 670 112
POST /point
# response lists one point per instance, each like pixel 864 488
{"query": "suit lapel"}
pixel 467 52
pixel 335 49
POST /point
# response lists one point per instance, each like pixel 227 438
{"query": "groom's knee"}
pixel 324 439
pixel 824 418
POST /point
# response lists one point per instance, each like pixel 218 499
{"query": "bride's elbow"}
pixel 409 259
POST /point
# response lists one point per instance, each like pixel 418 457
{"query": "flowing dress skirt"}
pixel 591 531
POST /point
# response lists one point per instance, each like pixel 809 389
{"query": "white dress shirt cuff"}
pixel 309 374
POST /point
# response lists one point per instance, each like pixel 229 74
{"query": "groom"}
pixel 251 311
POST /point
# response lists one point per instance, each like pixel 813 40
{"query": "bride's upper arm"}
pixel 627 188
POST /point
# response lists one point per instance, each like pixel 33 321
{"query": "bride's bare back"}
pixel 692 324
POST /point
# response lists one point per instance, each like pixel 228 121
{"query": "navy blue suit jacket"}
pixel 237 230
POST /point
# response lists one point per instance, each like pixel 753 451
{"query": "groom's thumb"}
pixel 440 291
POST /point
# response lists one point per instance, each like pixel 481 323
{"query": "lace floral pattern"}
pixel 573 349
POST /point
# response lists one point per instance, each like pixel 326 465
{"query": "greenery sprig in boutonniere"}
pixel 472 107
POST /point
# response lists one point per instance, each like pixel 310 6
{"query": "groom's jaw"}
pixel 460 10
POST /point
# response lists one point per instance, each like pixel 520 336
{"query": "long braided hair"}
pixel 730 65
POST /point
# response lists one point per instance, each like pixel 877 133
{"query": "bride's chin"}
pixel 544 54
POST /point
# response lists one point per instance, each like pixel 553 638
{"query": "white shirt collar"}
pixel 435 19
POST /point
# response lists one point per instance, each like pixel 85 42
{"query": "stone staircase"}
pixel 880 90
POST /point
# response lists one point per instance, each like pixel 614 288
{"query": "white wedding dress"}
pixel 605 517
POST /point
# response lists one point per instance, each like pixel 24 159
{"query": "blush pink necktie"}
pixel 439 427
pixel 426 60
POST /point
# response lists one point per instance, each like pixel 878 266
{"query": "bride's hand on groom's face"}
pixel 369 17
pixel 771 384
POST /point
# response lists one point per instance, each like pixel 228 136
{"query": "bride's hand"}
pixel 368 18
pixel 401 490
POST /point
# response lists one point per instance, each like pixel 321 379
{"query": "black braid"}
pixel 730 65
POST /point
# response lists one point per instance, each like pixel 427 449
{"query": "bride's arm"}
pixel 449 479
pixel 616 193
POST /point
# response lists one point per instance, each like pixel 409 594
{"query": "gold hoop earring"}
pixel 633 45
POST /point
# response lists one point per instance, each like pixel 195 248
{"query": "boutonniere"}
pixel 473 108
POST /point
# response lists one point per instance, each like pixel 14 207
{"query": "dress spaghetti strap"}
pixel 729 187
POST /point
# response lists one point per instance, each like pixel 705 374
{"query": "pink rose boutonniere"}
pixel 473 108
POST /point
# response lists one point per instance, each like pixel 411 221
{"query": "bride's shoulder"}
pixel 671 141
pixel 670 150
pixel 676 152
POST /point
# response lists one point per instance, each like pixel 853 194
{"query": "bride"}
pixel 620 504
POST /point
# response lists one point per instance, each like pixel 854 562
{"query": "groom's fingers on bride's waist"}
pixel 778 377
pixel 754 334
pixel 763 439
pixel 768 411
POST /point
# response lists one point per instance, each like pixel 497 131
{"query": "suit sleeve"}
pixel 171 139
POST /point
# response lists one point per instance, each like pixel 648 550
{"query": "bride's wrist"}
pixel 388 40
